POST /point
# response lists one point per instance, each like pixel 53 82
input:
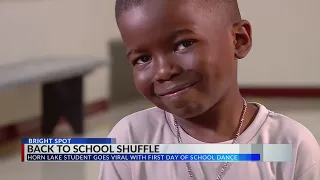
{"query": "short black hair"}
pixel 125 5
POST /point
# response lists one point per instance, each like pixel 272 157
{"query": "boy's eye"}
pixel 184 45
pixel 142 59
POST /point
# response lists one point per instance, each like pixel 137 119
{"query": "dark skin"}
pixel 185 62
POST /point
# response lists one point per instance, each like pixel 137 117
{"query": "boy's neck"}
pixel 220 122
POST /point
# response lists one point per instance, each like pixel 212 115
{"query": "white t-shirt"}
pixel 154 126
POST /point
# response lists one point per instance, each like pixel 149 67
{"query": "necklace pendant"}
pixel 226 165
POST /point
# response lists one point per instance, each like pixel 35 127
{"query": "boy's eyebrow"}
pixel 172 35
pixel 180 32
pixel 131 51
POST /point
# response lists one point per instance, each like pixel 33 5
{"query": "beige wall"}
pixel 286 36
pixel 32 28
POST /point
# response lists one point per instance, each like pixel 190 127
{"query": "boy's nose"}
pixel 166 69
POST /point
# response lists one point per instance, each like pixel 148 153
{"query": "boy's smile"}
pixel 176 89
pixel 183 61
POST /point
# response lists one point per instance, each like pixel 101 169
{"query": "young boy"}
pixel 184 55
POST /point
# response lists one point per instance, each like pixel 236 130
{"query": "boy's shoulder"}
pixel 306 149
pixel 286 129
pixel 140 126
pixel 276 128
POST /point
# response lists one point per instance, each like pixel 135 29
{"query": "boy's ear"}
pixel 242 38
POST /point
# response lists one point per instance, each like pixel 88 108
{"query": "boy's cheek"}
pixel 146 89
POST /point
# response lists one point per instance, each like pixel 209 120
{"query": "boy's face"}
pixel 184 59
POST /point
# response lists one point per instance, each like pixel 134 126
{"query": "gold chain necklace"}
pixel 226 164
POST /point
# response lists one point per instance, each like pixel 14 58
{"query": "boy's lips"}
pixel 176 90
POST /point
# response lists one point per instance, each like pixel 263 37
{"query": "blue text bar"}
pixel 146 157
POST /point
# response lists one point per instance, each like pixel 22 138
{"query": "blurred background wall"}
pixel 285 45
pixel 33 28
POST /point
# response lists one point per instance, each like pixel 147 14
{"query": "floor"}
pixel 306 111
